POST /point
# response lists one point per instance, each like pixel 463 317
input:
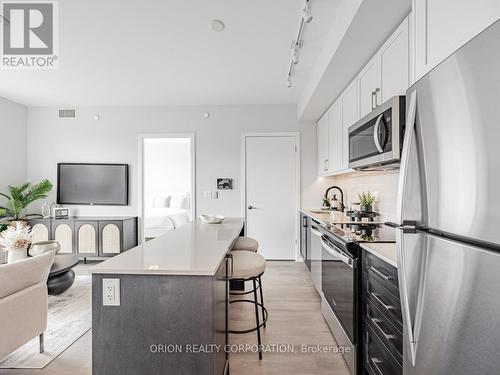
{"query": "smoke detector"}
pixel 217 25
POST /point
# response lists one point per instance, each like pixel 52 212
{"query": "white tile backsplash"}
pixel 384 183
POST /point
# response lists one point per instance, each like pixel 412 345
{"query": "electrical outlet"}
pixel 111 292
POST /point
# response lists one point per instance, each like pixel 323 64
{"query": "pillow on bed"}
pixel 161 202
pixel 181 201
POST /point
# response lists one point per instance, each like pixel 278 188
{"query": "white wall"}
pixel 114 138
pixel 13 121
pixel 167 166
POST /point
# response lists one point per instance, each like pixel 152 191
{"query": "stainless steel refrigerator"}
pixel 449 212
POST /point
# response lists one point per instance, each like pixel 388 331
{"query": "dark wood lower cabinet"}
pixel 165 324
pixel 382 327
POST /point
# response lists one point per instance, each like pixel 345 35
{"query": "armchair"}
pixel 23 301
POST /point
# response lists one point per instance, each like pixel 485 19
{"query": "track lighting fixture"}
pixel 295 54
pixel 306 13
pixel 306 17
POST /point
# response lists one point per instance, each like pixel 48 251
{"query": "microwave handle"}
pixel 375 134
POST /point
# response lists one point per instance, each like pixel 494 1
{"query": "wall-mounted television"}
pixel 92 184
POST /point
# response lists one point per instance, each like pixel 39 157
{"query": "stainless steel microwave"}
pixel 375 141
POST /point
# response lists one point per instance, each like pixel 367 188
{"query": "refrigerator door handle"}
pixel 405 305
pixel 405 154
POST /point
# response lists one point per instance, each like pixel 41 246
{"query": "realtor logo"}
pixel 29 34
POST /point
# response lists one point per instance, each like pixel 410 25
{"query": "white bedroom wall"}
pixel 167 166
pixel 114 138
pixel 13 122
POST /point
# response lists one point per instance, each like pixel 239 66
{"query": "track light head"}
pixel 295 54
pixel 306 13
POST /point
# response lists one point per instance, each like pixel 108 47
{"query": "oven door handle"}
pixel 375 134
pixel 337 254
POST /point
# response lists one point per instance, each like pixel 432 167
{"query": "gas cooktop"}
pixel 363 232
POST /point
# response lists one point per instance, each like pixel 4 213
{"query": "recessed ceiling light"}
pixel 217 25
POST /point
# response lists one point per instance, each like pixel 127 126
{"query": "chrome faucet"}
pixel 326 199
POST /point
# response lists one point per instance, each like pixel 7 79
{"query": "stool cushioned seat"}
pixel 247 264
pixel 246 244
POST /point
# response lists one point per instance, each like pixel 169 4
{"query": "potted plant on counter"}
pixel 366 201
pixel 19 198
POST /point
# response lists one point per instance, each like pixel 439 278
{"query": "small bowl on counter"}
pixel 211 219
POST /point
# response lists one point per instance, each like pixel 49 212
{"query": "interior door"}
pixel 271 194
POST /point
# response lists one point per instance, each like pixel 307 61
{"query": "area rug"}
pixel 69 318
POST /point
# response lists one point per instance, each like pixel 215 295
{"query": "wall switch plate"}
pixel 206 194
pixel 111 292
pixel 375 194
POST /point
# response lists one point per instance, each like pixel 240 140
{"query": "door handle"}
pixel 377 90
pixel 375 134
pixel 381 274
pixel 376 362
pixel 252 208
pixel 374 98
pixel 379 300
pixel 386 335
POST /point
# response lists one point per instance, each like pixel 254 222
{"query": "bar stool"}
pixel 246 244
pixel 249 266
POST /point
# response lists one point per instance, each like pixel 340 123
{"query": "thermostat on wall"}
pixel 60 213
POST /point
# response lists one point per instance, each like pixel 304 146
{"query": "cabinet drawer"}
pixel 386 331
pixel 382 270
pixel 378 359
pixel 384 301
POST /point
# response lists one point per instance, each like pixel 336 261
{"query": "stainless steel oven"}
pixel 375 141
pixel 340 294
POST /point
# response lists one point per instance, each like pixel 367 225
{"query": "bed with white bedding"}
pixel 164 213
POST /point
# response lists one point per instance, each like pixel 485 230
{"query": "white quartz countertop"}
pixel 194 249
pixel 385 251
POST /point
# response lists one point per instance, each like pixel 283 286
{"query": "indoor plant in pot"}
pixel 16 240
pixel 20 197
pixel 366 201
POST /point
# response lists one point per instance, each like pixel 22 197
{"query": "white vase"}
pixel 16 253
pixel 3 255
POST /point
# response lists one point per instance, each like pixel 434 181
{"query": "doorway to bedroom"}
pixel 167 182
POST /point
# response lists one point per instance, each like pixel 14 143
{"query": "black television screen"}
pixel 93 184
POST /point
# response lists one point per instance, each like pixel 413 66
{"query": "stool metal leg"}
pixel 262 301
pixel 257 317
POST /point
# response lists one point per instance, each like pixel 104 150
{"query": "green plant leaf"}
pixel 20 197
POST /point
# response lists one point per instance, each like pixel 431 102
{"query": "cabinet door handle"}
pixel 374 99
pixel 375 362
pixel 377 298
pixel 381 274
pixel 386 335
pixel 377 90
pixel 326 165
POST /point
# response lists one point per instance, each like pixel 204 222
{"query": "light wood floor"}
pixel 294 319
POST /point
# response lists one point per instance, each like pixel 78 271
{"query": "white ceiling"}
pixel 153 52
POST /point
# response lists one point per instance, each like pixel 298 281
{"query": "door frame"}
pixel 296 136
pixel 140 174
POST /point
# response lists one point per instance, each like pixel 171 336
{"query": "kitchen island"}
pixel 167 313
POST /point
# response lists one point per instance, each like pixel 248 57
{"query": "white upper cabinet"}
pixel 322 142
pixel 368 86
pixel 336 137
pixel 394 64
pixel 350 114
pixel 443 26
pixel 387 73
